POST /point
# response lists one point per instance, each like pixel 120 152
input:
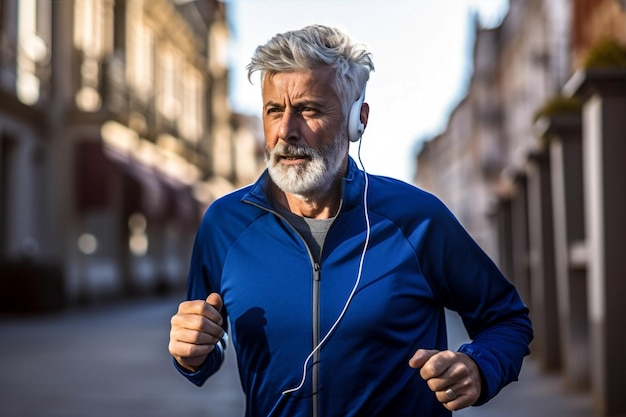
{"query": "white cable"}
pixel 354 288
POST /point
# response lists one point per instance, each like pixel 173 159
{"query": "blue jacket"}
pixel 280 302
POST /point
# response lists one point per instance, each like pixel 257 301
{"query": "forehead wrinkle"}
pixel 314 77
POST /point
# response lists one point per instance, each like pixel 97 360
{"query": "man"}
pixel 335 281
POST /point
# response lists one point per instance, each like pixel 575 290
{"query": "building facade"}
pixel 115 135
pixel 532 161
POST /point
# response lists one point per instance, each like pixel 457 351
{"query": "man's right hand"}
pixel 196 329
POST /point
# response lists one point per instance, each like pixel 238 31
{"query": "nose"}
pixel 288 128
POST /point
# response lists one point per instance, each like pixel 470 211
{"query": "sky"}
pixel 422 56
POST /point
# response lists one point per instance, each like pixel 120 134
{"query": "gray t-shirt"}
pixel 313 231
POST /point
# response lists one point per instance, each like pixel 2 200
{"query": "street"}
pixel 105 361
pixel 113 361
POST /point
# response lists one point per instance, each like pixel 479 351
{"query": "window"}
pixel 31 50
pixel 191 120
pixel 140 55
pixel 167 102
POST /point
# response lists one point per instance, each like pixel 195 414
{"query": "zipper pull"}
pixel 316 269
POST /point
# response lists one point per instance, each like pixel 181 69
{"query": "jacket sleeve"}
pixel 468 282
pixel 209 367
pixel 203 265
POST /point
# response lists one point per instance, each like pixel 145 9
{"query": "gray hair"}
pixel 313 47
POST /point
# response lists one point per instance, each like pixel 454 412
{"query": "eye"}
pixel 308 111
pixel 273 110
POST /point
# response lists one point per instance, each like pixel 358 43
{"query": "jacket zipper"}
pixel 316 337
pixel 316 267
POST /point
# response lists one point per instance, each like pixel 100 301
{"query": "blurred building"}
pixel 532 161
pixel 115 135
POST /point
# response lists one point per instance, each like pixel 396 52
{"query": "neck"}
pixel 315 205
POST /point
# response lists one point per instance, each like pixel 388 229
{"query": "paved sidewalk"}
pixel 112 361
pixel 536 394
pixel 105 361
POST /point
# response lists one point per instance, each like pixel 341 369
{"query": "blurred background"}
pixel 121 121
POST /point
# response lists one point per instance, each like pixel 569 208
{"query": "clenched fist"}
pixel 453 376
pixel 196 329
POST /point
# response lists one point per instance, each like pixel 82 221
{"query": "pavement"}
pixel 112 360
pixel 536 393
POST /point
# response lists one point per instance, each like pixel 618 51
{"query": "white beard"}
pixel 313 177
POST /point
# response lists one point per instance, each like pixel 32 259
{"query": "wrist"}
pixel 190 365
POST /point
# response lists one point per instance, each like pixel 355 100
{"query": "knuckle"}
pixel 178 349
pixel 431 367
pixel 447 354
pixel 433 385
pixel 196 322
pixel 459 371
pixel 193 337
pixel 467 385
pixel 184 306
pixel 189 350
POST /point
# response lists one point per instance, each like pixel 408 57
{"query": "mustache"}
pixel 289 149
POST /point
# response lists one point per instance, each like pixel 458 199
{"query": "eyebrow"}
pixel 296 103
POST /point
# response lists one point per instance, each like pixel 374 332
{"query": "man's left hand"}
pixel 453 376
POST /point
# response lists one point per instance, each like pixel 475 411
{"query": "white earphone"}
pixel 355 126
